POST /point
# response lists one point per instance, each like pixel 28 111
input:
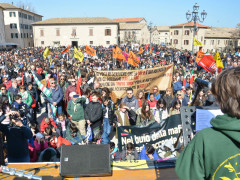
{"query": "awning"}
pixel 9 44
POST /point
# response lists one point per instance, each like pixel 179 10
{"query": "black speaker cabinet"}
pixel 85 160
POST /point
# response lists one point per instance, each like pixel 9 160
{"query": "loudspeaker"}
pixel 85 160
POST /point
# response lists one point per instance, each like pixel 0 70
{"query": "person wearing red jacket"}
pixel 152 101
pixel 47 122
pixel 55 142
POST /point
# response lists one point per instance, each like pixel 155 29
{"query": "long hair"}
pixel 161 101
pixel 146 114
pixel 176 103
pixel 171 92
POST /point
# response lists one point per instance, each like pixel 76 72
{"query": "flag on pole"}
pixel 90 51
pixel 140 50
pixel 78 54
pixel 79 82
pixel 51 60
pixel 132 59
pixel 199 56
pixel 119 54
pixel 218 60
pixel 146 47
pixel 208 63
pixel 46 53
pixel 46 92
pixel 196 42
pixel 65 50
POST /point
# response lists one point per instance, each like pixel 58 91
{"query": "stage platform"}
pixel 140 170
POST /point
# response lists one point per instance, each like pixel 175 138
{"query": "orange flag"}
pixel 140 50
pixel 126 49
pixel 199 55
pixel 119 54
pixel 132 59
pixel 90 51
pixel 114 55
pixel 65 50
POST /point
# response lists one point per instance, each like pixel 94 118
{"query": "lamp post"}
pixel 193 16
pixel 150 29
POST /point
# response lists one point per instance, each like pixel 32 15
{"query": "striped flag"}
pixel 46 92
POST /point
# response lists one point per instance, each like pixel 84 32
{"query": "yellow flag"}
pixel 218 59
pixel 46 53
pixel 51 60
pixel 78 54
pixel 196 42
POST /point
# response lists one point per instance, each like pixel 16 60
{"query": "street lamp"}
pixel 193 16
pixel 150 29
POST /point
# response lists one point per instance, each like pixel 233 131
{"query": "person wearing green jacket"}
pixel 145 115
pixel 76 111
pixel 26 97
pixel 214 153
pixel 73 134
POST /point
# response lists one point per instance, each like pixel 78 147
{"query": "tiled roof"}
pixel 219 32
pixel 190 24
pixel 10 6
pixel 162 28
pixel 128 19
pixel 77 20
pixel 133 26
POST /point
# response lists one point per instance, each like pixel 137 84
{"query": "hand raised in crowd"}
pixel 55 103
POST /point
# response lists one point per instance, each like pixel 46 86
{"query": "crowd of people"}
pixel 87 112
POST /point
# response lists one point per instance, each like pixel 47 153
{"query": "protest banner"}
pixel 153 134
pixel 119 81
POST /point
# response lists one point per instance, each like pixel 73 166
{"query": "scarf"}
pixel 24 95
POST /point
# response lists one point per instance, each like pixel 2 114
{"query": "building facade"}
pixel 161 35
pixel 93 31
pixel 18 25
pixel 133 30
pixel 2 28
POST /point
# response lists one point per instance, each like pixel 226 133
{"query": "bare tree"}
pixel 26 6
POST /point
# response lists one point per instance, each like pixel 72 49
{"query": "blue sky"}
pixel 221 13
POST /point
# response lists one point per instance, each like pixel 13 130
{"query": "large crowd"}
pixel 87 112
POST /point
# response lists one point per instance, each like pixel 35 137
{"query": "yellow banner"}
pixel 218 60
pixel 196 42
pixel 119 81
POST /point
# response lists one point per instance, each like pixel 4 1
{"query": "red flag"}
pixel 79 83
pixel 208 63
pixel 65 50
pixel 146 47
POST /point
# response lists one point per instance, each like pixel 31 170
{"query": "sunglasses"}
pixel 61 79
pixel 178 94
pixel 53 83
pixel 3 89
pixel 73 81
pixel 22 88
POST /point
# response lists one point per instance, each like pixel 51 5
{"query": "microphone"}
pixel 203 83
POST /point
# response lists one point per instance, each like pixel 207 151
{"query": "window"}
pixel 125 34
pixel 30 27
pixel 218 42
pixel 175 41
pixel 26 26
pixel 187 32
pixel 107 32
pixel 13 26
pixel 12 35
pixel 107 42
pixel 175 32
pixel 165 33
pixel 21 35
pixel 57 32
pixel 201 38
pixel 27 35
pixel 74 33
pixel 25 16
pixel 41 32
pixel 212 42
pixel 91 42
pixel 24 35
pixel 186 42
pixel 19 14
pixel 12 14
pixel 30 17
pixel 171 33
pixel 90 32
pixel 21 26
pixel 16 35
pixel 42 42
pixel 205 42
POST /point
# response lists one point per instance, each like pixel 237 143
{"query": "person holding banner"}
pixel 214 152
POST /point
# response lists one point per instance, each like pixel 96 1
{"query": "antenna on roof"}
pixel 12 3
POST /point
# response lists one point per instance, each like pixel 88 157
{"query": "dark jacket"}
pixel 125 153
pixel 57 95
pixel 111 110
pixel 33 93
pixel 17 144
pixel 93 113
pixel 168 100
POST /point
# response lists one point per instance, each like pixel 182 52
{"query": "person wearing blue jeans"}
pixel 73 134
pixel 108 114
